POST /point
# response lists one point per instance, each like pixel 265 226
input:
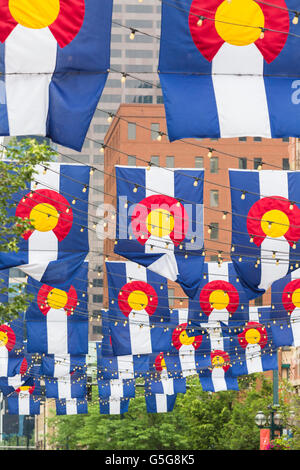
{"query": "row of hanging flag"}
pixel 219 337
pixel 229 71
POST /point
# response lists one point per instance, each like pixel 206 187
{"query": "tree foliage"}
pixel 17 170
pixel 200 421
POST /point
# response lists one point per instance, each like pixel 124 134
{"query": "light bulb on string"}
pixel 132 34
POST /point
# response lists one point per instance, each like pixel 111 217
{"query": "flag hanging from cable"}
pixel 71 406
pixel 218 377
pixel 121 367
pixel 113 406
pixel 285 310
pixel 68 386
pixel 60 365
pixel 159 403
pixel 220 297
pixel 54 65
pixel 252 347
pixel 265 226
pixel 231 70
pixel 56 202
pixel 160 221
pixel 25 400
pixel 12 360
pixel 116 388
pixel 57 318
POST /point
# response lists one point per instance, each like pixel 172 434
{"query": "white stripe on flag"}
pixel 253 314
pixel 167 383
pixel 71 406
pixel 24 403
pixel 187 360
pixel 218 379
pixel 30 60
pixel 125 367
pixel 271 182
pixel 159 180
pixel 64 387
pixel 57 331
pixel 219 273
pixel 61 365
pixel 161 403
pixel 3 361
pixel 253 358
pixel 139 331
pixel 135 272
pixel 237 75
pixel 114 406
pixel 116 388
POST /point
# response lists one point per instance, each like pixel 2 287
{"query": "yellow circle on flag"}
pixel 185 339
pixel 252 336
pixel 275 223
pixel 34 14
pixel 160 222
pixel 44 217
pixel 57 298
pixel 239 22
pixel 219 299
pixel 296 297
pixel 218 361
pixel 3 338
pixel 138 300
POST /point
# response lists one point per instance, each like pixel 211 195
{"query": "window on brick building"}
pixel 199 162
pixel 171 295
pixel 155 160
pixel 154 130
pixel 214 164
pixel 256 163
pixel 242 163
pixel 214 234
pixel 131 160
pixel 214 198
pixel 131 131
pixel 285 164
pixel 170 162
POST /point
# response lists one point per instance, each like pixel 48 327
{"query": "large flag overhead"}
pixel 220 296
pixel 160 221
pixel 60 365
pixel 232 68
pixel 265 226
pixel 57 318
pixel 218 377
pixel 56 202
pixel 285 310
pixel 54 62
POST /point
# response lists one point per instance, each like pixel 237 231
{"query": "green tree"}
pixel 17 170
pixel 200 420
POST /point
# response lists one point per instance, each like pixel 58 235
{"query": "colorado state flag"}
pixel 57 318
pixel 56 202
pixel 71 406
pixel 160 221
pixel 54 61
pixel 265 226
pixel 231 69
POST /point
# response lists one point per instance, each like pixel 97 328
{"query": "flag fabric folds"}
pixel 160 221
pixel 58 209
pixel 229 78
pixel 25 400
pixel 218 377
pixel 46 64
pixel 59 365
pixel 220 296
pixel 166 386
pixel 116 388
pixel 57 318
pixel 159 403
pixel 71 406
pixel 265 226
